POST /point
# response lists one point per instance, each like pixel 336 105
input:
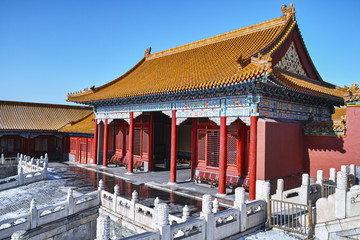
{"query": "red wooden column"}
pixel 173 148
pixel 131 143
pixel 222 156
pixel 105 148
pixel 28 145
pixel 193 146
pixel 95 148
pixel 252 157
pixel 151 125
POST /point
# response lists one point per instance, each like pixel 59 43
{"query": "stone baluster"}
pixel 134 200
pixel 44 171
pixel 33 214
pixel 340 194
pixel 37 164
pixel 31 164
pixel 332 175
pixel 156 204
pixel 240 204
pixel 320 177
pixel 70 201
pixel 46 158
pixel 20 235
pixel 280 189
pixel 2 159
pixel 186 213
pixel 345 168
pixel 100 188
pixel 163 221
pixel 207 214
pixel 116 195
pixel 17 157
pixel 21 176
pixel 215 208
pixel 352 173
pixel 103 227
pixel 305 188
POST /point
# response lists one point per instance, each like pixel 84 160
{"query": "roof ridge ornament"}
pixel 147 52
pixel 288 11
pixel 352 93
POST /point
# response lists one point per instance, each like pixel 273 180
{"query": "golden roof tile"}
pixel 216 61
pixel 84 125
pixel 38 116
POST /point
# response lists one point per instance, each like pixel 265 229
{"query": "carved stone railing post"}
pixel 340 195
pixel 215 208
pixel 320 177
pixel 31 164
pixel 134 200
pixel 37 164
pixel 46 158
pixel 33 214
pixel 280 188
pixel 262 189
pixel 44 171
pixel 305 185
pixel 100 188
pixel 116 194
pixel 186 213
pixel 2 159
pixel 156 204
pixel 352 173
pixel 332 175
pixel 20 235
pixel 103 227
pixel 240 204
pixel 163 221
pixel 21 176
pixel 207 214
pixel 70 201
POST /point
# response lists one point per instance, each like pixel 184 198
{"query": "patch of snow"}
pixel 273 234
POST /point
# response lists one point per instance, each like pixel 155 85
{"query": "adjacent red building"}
pixel 37 128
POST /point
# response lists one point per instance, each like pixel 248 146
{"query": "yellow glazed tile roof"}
pixel 38 116
pixel 304 84
pixel 216 61
pixel 84 125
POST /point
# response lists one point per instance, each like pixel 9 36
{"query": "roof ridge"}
pixel 76 121
pixel 221 37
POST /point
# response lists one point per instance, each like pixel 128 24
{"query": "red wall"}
pixel 279 152
pixel 325 152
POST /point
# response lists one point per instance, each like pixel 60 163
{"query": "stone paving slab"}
pixel 160 180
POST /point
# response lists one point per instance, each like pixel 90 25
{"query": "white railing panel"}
pixel 86 201
pixel 256 213
pixel 9 226
pixel 193 229
pixel 227 223
pixel 52 213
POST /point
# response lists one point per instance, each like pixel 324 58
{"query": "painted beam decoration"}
pixel 242 106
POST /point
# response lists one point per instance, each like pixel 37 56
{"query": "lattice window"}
pixel 137 142
pixel 202 145
pixel 232 148
pixel 89 147
pixel 213 147
pixel 145 141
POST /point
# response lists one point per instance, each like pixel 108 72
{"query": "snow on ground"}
pixel 16 201
pixel 273 234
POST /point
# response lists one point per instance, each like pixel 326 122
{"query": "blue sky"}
pixel 49 48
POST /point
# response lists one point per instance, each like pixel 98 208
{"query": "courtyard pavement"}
pixel 160 180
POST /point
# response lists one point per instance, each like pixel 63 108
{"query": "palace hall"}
pixel 232 106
